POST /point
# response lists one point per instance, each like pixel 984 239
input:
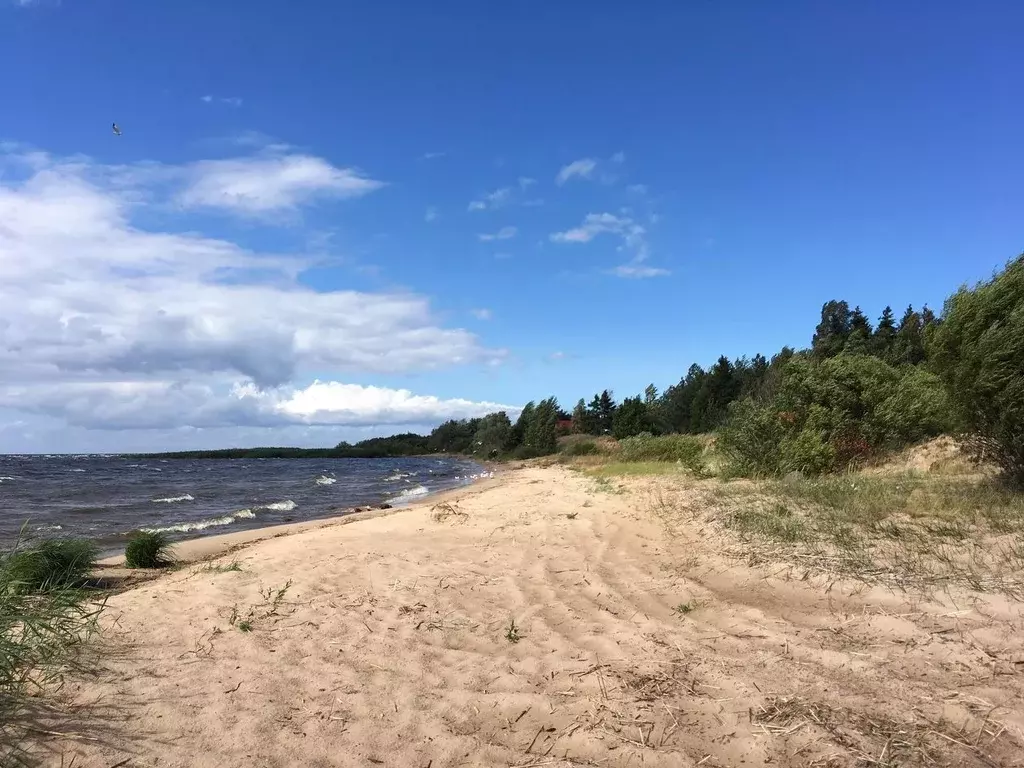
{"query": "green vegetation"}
pixel 512 633
pixel 858 392
pixel 978 351
pixel 148 549
pixel 52 564
pixel 45 617
pixel 906 531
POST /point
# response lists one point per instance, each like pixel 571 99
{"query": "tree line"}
pixel 858 390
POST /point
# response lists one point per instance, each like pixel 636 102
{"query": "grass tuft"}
pixel 512 633
pixel 45 618
pixel 49 565
pixel 148 549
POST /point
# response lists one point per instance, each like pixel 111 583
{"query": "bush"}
pixel 148 549
pixel 685 449
pixel 978 352
pixel 581 448
pixel 831 415
pixel 48 565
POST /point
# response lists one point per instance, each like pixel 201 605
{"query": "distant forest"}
pixel 859 389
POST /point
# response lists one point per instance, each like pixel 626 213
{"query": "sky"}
pixel 326 221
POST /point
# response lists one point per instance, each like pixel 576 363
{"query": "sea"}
pixel 108 498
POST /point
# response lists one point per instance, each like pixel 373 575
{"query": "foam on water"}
pixel 280 506
pixel 172 499
pixel 202 525
pixel 411 493
pixel 325 480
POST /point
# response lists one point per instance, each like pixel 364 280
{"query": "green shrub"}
pixel 48 565
pixel 685 449
pixel 148 549
pixel 831 414
pixel 581 448
pixel 978 351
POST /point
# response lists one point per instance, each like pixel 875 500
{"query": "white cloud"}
pixel 633 238
pixel 593 225
pixel 231 101
pixel 432 155
pixel 619 157
pixel 556 356
pixel 492 200
pixel 583 169
pixel 107 323
pixel 505 233
pixel 525 182
pixel 431 214
pixel 482 314
pixel 270 182
pixel 638 270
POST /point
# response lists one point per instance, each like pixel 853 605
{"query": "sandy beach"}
pixel 535 619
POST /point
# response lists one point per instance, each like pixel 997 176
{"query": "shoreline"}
pixel 203 548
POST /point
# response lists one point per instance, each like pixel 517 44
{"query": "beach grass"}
pixel 46 615
pixel 148 549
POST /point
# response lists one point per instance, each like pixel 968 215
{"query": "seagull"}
pixel 117 131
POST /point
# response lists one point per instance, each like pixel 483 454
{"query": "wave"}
pixel 202 525
pixel 172 499
pixel 49 527
pixel 280 506
pixel 76 470
pixel 5 478
pixel 399 476
pixel 411 493
pixel 325 480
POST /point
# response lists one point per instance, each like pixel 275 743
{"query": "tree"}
pixel 605 411
pixel 908 345
pixel 677 402
pixel 834 329
pixel 978 352
pixel 453 436
pixel 493 435
pixel 582 419
pixel 631 418
pixel 522 425
pixel 859 341
pixel 540 435
pixel 885 333
pixel 719 388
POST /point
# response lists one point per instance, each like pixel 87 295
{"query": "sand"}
pixel 634 644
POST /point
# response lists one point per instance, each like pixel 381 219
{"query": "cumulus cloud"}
pixel 106 322
pixel 582 169
pixel 505 233
pixel 270 182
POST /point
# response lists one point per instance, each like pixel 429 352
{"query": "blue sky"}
pixel 433 208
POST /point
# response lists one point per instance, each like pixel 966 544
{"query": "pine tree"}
pixel 908 346
pixel 834 329
pixel 582 420
pixel 630 418
pixel 885 334
pixel 606 411
pixel 522 425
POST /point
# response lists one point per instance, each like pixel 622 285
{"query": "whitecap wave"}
pixel 76 470
pixel 202 525
pixel 49 527
pixel 7 478
pixel 280 506
pixel 411 493
pixel 172 499
pixel 325 480
pixel 398 476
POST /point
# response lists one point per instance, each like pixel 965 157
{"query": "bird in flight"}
pixel 117 131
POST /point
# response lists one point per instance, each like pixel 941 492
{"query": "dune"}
pixel 533 620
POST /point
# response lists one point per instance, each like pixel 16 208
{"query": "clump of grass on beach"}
pixel 148 549
pixel 49 564
pixel 45 617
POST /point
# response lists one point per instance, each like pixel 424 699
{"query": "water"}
pixel 106 498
